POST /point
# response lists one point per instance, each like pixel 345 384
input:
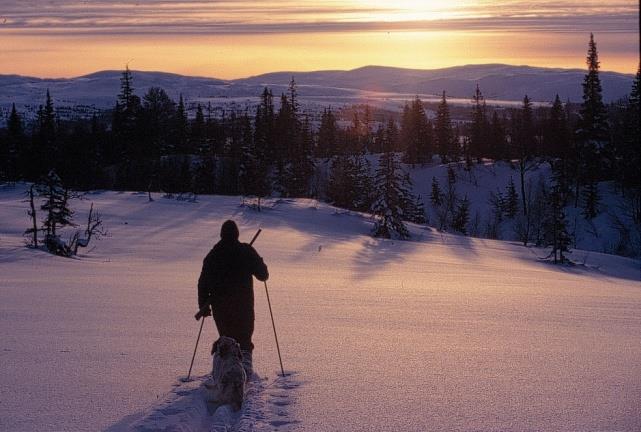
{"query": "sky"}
pixel 239 38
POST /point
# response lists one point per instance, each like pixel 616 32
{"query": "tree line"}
pixel 150 143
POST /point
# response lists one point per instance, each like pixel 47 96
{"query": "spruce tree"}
pixel 391 137
pixel 378 139
pixel 264 124
pixel 523 137
pixel 15 147
pixel 292 92
pixel 478 127
pixel 327 135
pixel 627 153
pixel 497 203
pixel 419 215
pixel 366 131
pixel 180 133
pixel 592 132
pixel 287 130
pixel 436 196
pixel 339 186
pixel 126 97
pixel 591 199
pixel 556 143
pixel 497 142
pixel 511 200
pixel 55 205
pixel 414 208
pixel 462 216
pixel 301 166
pixel 252 174
pixel 158 112
pixel 447 210
pixel 354 135
pixel 593 125
pixel 361 182
pixel 350 185
pixel 389 202
pixel 416 134
pixel 126 144
pixel 45 156
pixel 555 225
pixel 451 175
pixel 197 130
pixel 443 132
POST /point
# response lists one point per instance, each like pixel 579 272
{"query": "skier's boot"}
pixel 247 363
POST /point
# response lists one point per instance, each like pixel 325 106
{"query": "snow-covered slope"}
pixel 439 333
pixel 372 84
pixel 482 180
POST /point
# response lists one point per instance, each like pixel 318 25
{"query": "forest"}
pixel 150 143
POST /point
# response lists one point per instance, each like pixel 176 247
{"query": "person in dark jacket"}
pixel 226 279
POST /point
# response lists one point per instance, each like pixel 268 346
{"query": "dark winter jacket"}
pixel 227 277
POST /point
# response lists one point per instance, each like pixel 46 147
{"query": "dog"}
pixel 228 374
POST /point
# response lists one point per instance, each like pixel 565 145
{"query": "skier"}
pixel 226 281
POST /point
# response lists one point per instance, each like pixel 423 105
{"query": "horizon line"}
pixel 576 69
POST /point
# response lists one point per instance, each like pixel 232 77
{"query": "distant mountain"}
pixel 386 86
pixel 497 81
pixel 99 89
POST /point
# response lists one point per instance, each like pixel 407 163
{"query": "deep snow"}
pixel 439 333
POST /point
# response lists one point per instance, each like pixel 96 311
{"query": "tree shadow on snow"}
pixel 591 264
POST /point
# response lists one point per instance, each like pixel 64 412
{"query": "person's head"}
pixel 229 230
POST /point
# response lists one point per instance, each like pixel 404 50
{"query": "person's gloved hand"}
pixel 207 312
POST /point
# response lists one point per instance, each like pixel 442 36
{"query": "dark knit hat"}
pixel 229 230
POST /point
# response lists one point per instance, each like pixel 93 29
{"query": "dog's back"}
pixel 232 386
pixel 228 374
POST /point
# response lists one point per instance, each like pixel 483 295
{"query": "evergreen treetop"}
pixel 593 125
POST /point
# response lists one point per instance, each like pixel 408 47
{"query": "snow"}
pixel 443 332
pixel 598 235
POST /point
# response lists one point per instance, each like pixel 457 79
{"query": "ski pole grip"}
pixel 205 309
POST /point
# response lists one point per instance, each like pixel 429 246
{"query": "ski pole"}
pixel 280 359
pixel 195 348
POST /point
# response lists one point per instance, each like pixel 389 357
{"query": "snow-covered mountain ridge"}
pixel 372 84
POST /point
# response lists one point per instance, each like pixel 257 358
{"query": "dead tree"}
pixel 94 229
pixel 33 231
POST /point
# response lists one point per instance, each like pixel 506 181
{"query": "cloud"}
pixel 112 17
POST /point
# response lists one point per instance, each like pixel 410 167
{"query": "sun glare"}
pixel 413 10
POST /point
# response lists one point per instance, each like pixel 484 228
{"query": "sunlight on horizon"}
pixel 234 39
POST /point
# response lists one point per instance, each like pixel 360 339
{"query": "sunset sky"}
pixel 238 38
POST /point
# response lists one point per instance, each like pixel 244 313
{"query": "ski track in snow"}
pixel 185 409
